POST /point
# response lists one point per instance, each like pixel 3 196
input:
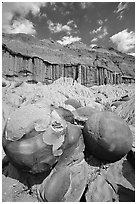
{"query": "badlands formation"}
pixel 68 122
pixel 71 173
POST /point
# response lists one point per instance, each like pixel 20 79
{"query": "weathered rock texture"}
pixel 33 60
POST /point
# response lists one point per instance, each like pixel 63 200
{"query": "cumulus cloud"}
pixel 69 28
pixel 68 40
pixel 20 26
pixel 97 30
pixel 93 45
pixel 124 40
pixel 10 10
pixel 57 27
pixel 94 40
pixel 103 33
pixel 120 9
pixel 100 33
pixel 100 22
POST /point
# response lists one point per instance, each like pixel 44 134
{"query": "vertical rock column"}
pixel 114 82
pixel 42 71
pixel 97 76
pixel 111 78
pixel 57 71
pixel 51 71
pixel 11 65
pixel 99 83
pixel 34 68
pixel 39 70
pixel 82 74
pixel 30 65
pixel 5 63
pixel 30 69
pixel 100 73
pixel 85 74
pixel 120 79
pixel 105 76
pixel 21 63
pixel 15 64
pixel 79 73
pixel 62 71
pixel 74 72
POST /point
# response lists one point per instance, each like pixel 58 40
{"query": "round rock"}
pixel 107 136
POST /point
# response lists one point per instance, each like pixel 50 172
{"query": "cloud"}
pixel 57 27
pixel 68 40
pixel 100 22
pixel 100 32
pixel 69 28
pixel 97 30
pixel 20 26
pixel 85 5
pixel 131 53
pixel 72 24
pixel 94 40
pixel 93 45
pixel 19 10
pixel 121 6
pixel 124 40
pixel 103 33
pixel 120 9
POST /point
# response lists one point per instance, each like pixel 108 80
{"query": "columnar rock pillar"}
pixel 102 75
pixel 85 73
pixel 15 64
pixel 111 78
pixel 114 80
pixel 11 64
pixel 57 71
pixel 97 76
pixel 63 71
pixel 50 73
pixel 79 73
pixel 5 62
pixel 105 76
pixel 120 79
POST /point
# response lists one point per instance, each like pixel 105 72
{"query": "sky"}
pixel 107 24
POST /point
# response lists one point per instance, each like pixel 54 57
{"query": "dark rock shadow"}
pixel 125 194
pixel 128 172
pixel 92 161
pixel 25 178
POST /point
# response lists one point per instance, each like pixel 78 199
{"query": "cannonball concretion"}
pixel 73 102
pixel 107 136
pixel 33 137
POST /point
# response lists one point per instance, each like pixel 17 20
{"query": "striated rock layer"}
pixel 33 60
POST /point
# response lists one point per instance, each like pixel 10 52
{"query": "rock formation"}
pixel 30 59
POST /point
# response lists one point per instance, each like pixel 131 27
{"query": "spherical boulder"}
pixel 73 102
pixel 35 136
pixel 32 136
pixel 107 136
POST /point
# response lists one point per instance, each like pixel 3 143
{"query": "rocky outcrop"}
pixel 33 60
